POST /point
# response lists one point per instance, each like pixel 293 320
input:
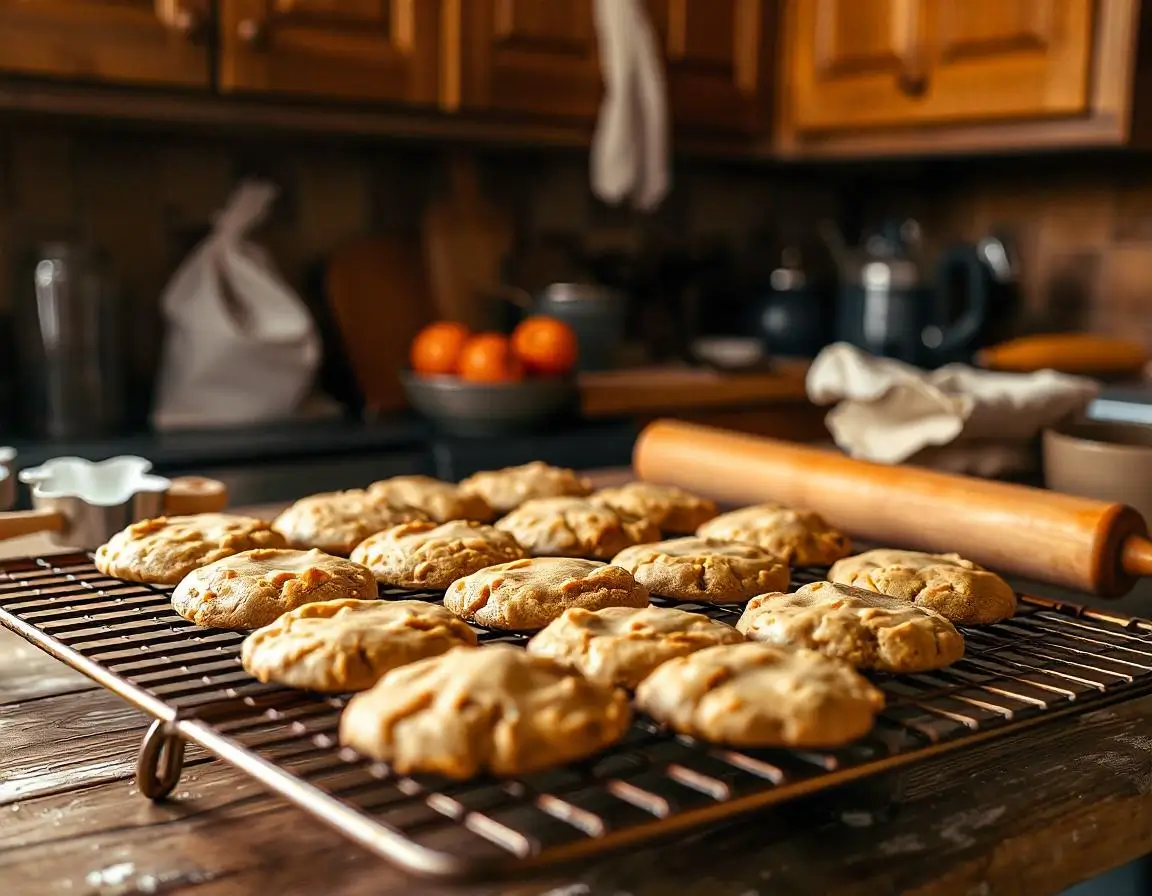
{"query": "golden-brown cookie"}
pixel 338 521
pixel 166 549
pixel 438 500
pixel 956 588
pixel 255 588
pixel 494 709
pixel 528 594
pixel 863 628
pixel 622 645
pixel 574 527
pixel 507 489
pixel 703 570
pixel 349 645
pixel 758 695
pixel 425 555
pixel 671 509
pixel 800 537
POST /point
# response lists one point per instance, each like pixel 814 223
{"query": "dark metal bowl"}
pixel 461 408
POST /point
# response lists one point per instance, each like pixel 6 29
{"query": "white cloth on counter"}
pixel 957 417
pixel 630 147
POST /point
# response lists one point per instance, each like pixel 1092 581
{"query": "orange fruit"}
pixel 436 348
pixel 488 358
pixel 546 345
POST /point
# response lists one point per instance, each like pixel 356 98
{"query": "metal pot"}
pixel 596 313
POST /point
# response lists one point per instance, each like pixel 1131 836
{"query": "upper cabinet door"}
pixel 367 50
pixel 851 61
pixel 1009 58
pixel 154 42
pixel 525 57
pixel 717 58
pixel 869 63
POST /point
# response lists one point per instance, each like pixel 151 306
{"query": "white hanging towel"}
pixel 240 345
pixel 630 147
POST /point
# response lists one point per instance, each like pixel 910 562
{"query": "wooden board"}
pixel 654 390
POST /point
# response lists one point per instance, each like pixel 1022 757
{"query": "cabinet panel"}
pixel 123 41
pixel 716 62
pixel 848 60
pixel 526 57
pixel 876 63
pixel 1010 58
pixel 374 50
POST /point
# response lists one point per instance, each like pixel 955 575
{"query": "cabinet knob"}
pixel 913 85
pixel 253 32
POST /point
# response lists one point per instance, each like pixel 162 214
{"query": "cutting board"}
pixel 378 294
pixel 466 237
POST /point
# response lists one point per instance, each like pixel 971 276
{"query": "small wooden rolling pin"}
pixel 1064 540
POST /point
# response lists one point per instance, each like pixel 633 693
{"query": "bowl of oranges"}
pixel 487 383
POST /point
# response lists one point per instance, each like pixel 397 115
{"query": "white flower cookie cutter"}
pixel 81 504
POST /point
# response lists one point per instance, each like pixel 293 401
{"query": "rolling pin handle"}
pixel 1137 556
pixel 15 523
pixel 195 494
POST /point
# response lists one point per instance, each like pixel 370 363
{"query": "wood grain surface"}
pixel 1029 814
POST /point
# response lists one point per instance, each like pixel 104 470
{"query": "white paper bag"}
pixel 240 345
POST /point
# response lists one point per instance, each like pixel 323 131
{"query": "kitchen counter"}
pixel 660 390
pixel 1031 813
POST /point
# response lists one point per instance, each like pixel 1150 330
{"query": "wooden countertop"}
pixel 1030 814
pixel 658 390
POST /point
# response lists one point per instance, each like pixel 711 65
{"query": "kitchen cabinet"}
pixel 718 59
pixel 525 57
pixel 911 73
pixel 528 57
pixel 365 50
pixel 146 42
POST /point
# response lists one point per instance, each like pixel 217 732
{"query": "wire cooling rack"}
pixel 1049 660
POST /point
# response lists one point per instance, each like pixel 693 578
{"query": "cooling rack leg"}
pixel 160 761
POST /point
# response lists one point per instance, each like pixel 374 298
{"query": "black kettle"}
pixel 791 312
pixel 891 303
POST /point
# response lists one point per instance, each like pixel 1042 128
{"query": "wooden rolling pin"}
pixel 1051 537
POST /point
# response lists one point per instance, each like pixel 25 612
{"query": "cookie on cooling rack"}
pixel 507 489
pixel 672 510
pixel 438 500
pixel 575 527
pixel 704 570
pixel 956 588
pixel 423 555
pixel 800 537
pixel 164 550
pixel 759 695
pixel 525 595
pixel 863 628
pixel 349 645
pixel 254 588
pixel 336 522
pixel 622 645
pixel 494 709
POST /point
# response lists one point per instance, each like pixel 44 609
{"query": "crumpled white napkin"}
pixel 630 147
pixel 890 412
